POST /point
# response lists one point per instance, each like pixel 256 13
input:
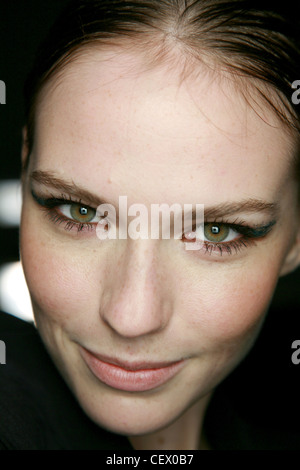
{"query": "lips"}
pixel 130 376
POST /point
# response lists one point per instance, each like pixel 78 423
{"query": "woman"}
pixel 161 102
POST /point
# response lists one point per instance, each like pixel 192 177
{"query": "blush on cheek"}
pixel 56 289
pixel 243 308
pixel 230 312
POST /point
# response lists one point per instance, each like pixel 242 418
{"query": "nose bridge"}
pixel 135 304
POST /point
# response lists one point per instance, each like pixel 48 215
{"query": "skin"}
pixel 116 127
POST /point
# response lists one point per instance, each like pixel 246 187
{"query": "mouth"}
pixel 130 376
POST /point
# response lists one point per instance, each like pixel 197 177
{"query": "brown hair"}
pixel 257 39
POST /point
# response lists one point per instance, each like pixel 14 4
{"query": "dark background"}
pixel 23 25
pixel 267 385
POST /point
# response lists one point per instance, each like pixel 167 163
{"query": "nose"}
pixel 135 302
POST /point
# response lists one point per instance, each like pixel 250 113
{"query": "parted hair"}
pixel 258 40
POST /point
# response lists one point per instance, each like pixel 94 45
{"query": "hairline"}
pixel 244 84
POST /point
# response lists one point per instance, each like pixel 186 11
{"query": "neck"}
pixel 186 433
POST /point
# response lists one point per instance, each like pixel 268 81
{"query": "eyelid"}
pixel 53 201
pixel 255 231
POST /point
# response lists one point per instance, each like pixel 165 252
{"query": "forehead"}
pixel 115 124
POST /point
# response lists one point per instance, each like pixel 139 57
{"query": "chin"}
pixel 127 417
pixel 124 425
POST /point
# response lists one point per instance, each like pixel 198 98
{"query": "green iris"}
pixel 216 232
pixel 82 213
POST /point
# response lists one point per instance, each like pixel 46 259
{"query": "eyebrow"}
pixel 49 179
pixel 251 205
pixel 246 206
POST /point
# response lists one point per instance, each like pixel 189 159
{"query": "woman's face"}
pixel 112 311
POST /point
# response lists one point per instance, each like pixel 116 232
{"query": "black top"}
pixel 38 411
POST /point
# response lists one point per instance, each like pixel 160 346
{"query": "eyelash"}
pixel 69 224
pixel 235 245
pixel 248 234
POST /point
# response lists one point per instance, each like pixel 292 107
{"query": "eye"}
pixel 212 233
pixel 68 213
pixel 220 237
pixel 79 213
pixel 216 233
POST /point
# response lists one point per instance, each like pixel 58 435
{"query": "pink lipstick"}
pixel 130 376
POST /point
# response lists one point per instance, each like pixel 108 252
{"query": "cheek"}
pixel 227 311
pixel 61 288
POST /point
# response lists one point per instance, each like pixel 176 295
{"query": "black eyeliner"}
pixel 52 202
pixel 49 202
pixel 257 232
